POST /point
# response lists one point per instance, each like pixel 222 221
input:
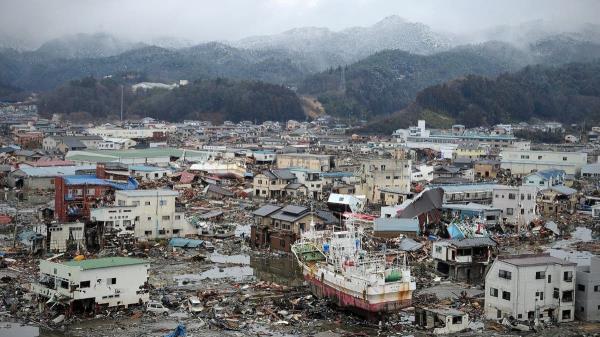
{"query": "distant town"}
pixel 287 226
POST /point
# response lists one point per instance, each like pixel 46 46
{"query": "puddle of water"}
pixel 237 273
pixel 17 330
pixel 230 259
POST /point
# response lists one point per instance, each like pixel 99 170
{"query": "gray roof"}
pixel 534 260
pixel 283 174
pixel 219 190
pixel 396 225
pixel 473 242
pixel 266 210
pixel 51 171
pixel 149 193
pixel 294 209
pixel 563 189
pixel 293 186
pixel 409 245
pixel 327 216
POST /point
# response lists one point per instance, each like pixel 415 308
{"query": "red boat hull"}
pixel 344 300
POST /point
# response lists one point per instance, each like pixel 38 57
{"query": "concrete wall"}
pixel 587 291
pixel 523 287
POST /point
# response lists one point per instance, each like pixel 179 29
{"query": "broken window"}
pixel 540 275
pixel 580 287
pixel 457 320
pixel 566 314
pixel 506 295
pixel 84 284
pixel 567 296
pixel 539 295
pixel 568 276
pixel 494 292
pixel 111 280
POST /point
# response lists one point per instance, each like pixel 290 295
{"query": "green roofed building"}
pixel 94 283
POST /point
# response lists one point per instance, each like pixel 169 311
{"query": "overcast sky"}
pixel 203 20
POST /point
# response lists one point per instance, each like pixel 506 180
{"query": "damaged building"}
pixel 463 260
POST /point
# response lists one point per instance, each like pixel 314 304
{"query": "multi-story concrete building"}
pixel 529 287
pixel 524 162
pixel 587 295
pixel 517 203
pixel 383 173
pixel 275 184
pixel 314 162
pixel 145 213
pixel 89 285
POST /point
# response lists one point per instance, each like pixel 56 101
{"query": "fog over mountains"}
pixel 360 72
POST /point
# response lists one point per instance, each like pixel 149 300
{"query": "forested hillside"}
pixel 216 100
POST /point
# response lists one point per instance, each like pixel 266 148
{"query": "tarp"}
pixel 424 202
pixel 455 232
pixel 179 332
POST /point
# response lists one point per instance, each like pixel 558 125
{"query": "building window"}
pixel 178 217
pixel 506 295
pixel 438 249
pixel 568 276
pixel 84 284
pixel 509 211
pixel 161 232
pixel 147 203
pixel 566 314
pixel 457 320
pixel 504 274
pixel 567 296
pixel 166 217
pixel 163 203
pixel 564 158
pixel 111 280
pixel 511 196
pixel 580 287
pixel 549 278
pixel 540 295
pixel 493 292
pixel 596 289
pixel 148 233
pixel 540 275
pixel 64 284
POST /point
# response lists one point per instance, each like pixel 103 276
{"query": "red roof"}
pixel 186 177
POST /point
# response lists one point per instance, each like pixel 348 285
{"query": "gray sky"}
pixel 202 20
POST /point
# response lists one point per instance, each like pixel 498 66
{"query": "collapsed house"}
pixel 463 260
pixel 441 320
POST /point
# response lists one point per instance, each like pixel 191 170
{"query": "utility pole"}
pixel 16 222
pixel 122 89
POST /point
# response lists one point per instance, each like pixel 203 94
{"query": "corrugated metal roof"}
pixel 106 262
pixel 53 171
pixel 473 242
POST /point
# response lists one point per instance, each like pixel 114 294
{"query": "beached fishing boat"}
pixel 336 266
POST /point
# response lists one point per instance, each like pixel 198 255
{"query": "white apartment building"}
pixel 116 144
pixel 149 214
pixel 517 203
pixel 110 281
pixel 587 295
pixel 113 132
pixel 524 162
pixel 61 235
pixel 529 287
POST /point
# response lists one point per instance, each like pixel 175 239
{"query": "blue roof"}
pixel 185 243
pixel 336 174
pixel 131 184
pixel 548 174
pixel 396 225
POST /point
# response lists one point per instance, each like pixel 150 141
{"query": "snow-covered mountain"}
pixel 86 46
pixel 330 48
